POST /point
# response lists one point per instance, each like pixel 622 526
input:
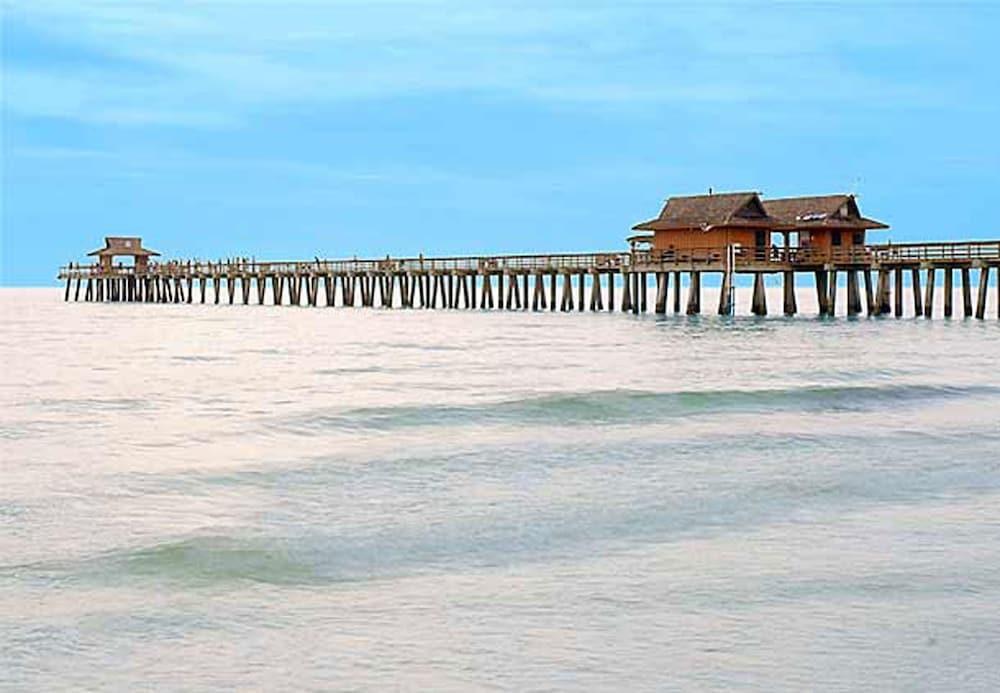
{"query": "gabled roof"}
pixel 123 245
pixel 706 211
pixel 834 211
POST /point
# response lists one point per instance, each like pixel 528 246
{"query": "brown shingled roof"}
pixel 123 245
pixel 836 211
pixel 706 211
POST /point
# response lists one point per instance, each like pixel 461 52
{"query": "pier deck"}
pixel 517 282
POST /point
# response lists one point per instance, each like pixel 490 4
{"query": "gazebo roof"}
pixel 822 211
pixel 123 245
pixel 707 211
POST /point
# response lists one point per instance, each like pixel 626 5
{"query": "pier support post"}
pixel 487 298
pixel 661 293
pixel 500 300
pixel 726 293
pixel 897 295
pixel 759 296
pixel 929 293
pixel 831 302
pixel 966 293
pixel 949 292
pixel 677 292
pixel 88 294
pixel 626 292
pixel 984 279
pixel 69 281
pixel 869 295
pixel 580 290
pixel 636 292
pixel 822 292
pixel 552 292
pixel 526 278
pixel 611 291
pixel 791 304
pixel 918 304
pixel 538 297
pixel 329 286
pixel 76 293
pixel 884 289
pixel 644 282
pixel 567 297
pixel 853 295
pixel 694 293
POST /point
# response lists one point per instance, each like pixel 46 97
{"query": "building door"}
pixel 760 241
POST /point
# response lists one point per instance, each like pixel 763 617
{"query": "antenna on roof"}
pixel 854 186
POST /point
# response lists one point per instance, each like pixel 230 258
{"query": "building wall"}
pixel 822 239
pixel 687 240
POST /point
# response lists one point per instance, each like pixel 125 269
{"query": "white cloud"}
pixel 213 63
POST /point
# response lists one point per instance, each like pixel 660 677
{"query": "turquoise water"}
pixel 217 497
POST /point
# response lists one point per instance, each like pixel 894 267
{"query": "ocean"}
pixel 275 498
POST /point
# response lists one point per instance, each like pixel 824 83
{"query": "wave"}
pixel 626 406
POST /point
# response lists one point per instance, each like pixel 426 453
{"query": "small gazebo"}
pixel 123 246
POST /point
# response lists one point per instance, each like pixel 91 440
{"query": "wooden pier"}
pixel 635 281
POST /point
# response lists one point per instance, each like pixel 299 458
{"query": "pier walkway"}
pixel 565 281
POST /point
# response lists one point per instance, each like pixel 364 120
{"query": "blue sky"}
pixel 293 129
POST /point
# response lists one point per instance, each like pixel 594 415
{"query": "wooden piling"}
pixel 822 292
pixel 726 293
pixel 581 290
pixel 885 291
pixel 694 293
pixel 791 306
pixel 626 292
pixel 966 293
pixel 636 292
pixel 644 282
pixel 661 293
pixel 677 292
pixel 611 291
pixel 918 304
pixel 897 295
pixel 853 294
pixel 929 295
pixel 984 279
pixel 870 308
pixel 949 292
pixel 831 301
pixel 759 306
pixel 552 291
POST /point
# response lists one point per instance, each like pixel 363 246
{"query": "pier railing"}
pixel 765 258
pixel 958 252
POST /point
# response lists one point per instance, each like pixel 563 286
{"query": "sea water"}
pixel 275 498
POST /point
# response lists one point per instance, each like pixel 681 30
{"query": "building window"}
pixel 835 239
